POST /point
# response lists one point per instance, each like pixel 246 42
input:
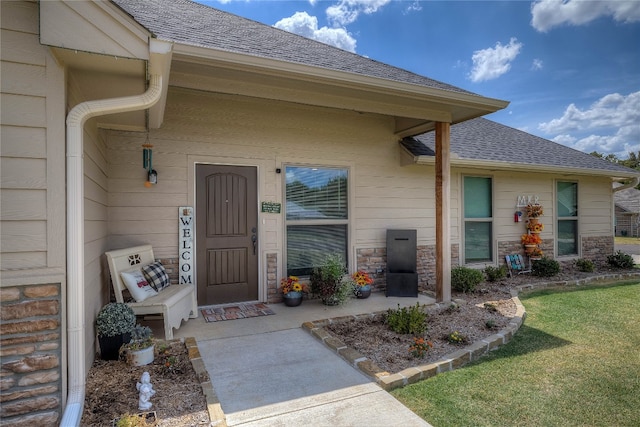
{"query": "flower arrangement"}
pixel 291 284
pixel 361 279
pixel 534 210
pixel 530 239
pixel 536 253
pixel 536 228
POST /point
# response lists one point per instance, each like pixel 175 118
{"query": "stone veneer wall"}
pixel 172 267
pixel 273 295
pixel 30 346
pixel 597 249
pixel 372 260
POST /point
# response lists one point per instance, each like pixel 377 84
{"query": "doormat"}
pixel 217 313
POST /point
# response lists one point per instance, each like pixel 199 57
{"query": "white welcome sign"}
pixel 185 255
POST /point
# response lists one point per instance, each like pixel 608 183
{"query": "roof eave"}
pixel 525 167
pixel 480 105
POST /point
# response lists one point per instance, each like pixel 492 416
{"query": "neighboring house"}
pixel 240 114
pixel 627 204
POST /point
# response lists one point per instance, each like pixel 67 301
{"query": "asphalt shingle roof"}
pixel 189 23
pixel 483 139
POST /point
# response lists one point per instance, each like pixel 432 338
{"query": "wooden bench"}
pixel 175 303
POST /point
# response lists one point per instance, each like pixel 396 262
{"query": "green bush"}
pixel 495 273
pixel 412 320
pixel 585 265
pixel 545 267
pixel 465 279
pixel 620 260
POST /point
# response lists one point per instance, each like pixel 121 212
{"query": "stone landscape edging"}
pixel 457 359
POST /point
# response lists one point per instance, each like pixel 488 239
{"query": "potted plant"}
pixel 530 239
pixel 536 253
pixel 292 291
pixel 534 210
pixel 535 227
pixel 329 281
pixel 114 324
pixel 140 350
pixel 361 284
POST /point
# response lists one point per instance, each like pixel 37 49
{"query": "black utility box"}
pixel 402 272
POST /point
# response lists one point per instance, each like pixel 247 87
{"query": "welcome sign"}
pixel 185 238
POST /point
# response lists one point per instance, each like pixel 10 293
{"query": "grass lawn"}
pixel 627 240
pixel 574 362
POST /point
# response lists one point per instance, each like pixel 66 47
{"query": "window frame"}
pixel 575 219
pixel 489 220
pixel 318 222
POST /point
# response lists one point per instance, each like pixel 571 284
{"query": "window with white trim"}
pixel 478 219
pixel 316 216
pixel 567 213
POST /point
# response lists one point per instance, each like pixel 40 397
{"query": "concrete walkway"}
pixel 267 371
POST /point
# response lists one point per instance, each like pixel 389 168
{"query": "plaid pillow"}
pixel 156 275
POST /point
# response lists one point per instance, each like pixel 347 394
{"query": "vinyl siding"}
pixel 32 152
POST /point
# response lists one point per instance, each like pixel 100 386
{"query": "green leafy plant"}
pixel 115 319
pixel 465 279
pixel 490 324
pixel 456 337
pixel 620 260
pixel 329 281
pixel 419 347
pixel 412 320
pixel 545 267
pixel 495 273
pixel 585 265
pixel 141 337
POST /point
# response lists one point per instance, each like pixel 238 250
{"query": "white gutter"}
pixel 629 184
pixel 75 234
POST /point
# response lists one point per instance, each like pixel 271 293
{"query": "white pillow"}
pixel 138 286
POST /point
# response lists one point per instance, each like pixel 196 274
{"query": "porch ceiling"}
pixel 415 108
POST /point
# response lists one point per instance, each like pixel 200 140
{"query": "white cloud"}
pixel 616 116
pixel 537 64
pixel 305 25
pixel 491 63
pixel 346 12
pixel 546 14
pixel 612 110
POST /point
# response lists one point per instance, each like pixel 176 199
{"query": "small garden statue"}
pixel 146 391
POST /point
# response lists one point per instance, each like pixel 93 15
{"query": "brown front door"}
pixel 226 234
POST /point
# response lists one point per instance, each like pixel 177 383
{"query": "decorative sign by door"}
pixel 186 244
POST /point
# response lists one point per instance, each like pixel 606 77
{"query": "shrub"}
pixel 115 319
pixel 412 320
pixel 465 279
pixel 620 260
pixel 456 337
pixel 545 267
pixel 495 273
pixel 585 265
pixel 420 347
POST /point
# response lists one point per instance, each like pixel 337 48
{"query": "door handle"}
pixel 254 239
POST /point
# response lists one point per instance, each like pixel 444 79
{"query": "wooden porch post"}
pixel 443 212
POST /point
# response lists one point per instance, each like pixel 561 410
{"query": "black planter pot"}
pixel 110 346
pixel 292 299
pixel 363 292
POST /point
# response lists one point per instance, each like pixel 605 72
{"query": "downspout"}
pixel 76 119
pixel 632 183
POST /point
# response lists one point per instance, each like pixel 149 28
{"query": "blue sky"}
pixel 571 69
